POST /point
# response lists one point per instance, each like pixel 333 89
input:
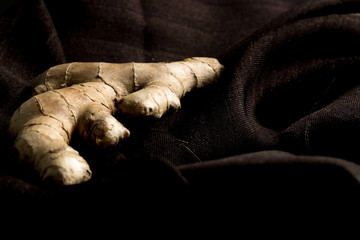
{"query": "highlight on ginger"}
pixel 83 97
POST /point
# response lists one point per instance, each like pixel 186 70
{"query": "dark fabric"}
pixel 281 127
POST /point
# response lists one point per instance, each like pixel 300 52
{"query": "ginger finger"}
pixel 98 127
pixel 164 84
pixel 52 157
pixel 43 126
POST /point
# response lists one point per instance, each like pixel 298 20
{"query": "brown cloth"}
pixel 281 128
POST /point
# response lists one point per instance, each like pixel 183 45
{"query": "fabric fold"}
pixel 283 119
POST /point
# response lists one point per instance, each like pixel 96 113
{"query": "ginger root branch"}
pixel 83 97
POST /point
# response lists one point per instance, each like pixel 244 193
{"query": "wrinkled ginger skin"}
pixel 83 97
pixel 43 127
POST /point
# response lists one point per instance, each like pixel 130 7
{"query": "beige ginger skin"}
pixel 83 97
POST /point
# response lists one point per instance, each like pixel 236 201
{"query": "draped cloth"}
pixel 281 126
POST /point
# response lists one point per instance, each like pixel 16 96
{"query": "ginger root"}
pixel 83 97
